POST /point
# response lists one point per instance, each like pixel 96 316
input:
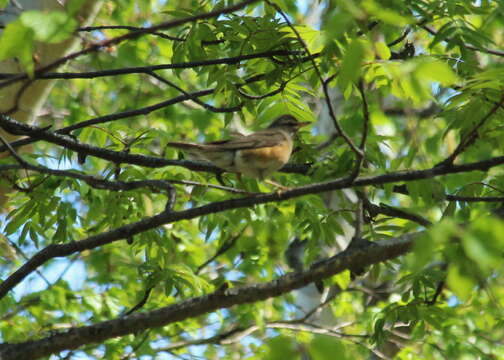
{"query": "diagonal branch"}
pixel 78 336
pixel 365 113
pixel 228 244
pixel 332 113
pixel 103 184
pixel 148 109
pixel 467 46
pixel 393 212
pixel 466 141
pixel 59 250
pixel 194 98
pixel 135 28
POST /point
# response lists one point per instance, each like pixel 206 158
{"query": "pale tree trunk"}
pixel 36 94
pixel 33 98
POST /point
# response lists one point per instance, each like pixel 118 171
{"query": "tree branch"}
pixel 119 157
pixel 136 28
pixel 332 114
pixel 194 98
pixel 129 36
pixel 166 217
pixel 383 209
pixel 467 46
pixel 76 337
pixel 148 109
pixel 91 180
pixel 148 69
pixel 466 141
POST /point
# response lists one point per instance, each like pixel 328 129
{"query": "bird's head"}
pixel 288 123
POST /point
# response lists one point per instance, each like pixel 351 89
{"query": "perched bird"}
pixel 256 155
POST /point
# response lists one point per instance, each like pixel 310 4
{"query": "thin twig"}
pixel 24 256
pixel 129 28
pixel 365 113
pixel 228 244
pixel 439 290
pixel 141 28
pixel 365 130
pixel 194 98
pixel 467 46
pixel 332 113
pixel 147 69
pixel 472 135
pixel 130 36
pixel 400 38
pixel 141 303
pixel 393 212
pixel 402 189
pixel 137 346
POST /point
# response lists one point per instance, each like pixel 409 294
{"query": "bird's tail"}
pixel 193 151
pixel 185 146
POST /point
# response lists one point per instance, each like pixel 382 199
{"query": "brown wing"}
pixel 260 139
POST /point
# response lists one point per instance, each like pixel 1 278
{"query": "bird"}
pixel 257 155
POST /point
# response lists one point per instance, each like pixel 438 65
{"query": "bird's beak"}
pixel 301 124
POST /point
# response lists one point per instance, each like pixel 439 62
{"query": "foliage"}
pixel 416 85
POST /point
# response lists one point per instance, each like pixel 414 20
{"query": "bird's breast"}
pixel 261 162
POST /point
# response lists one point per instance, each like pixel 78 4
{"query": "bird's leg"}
pixel 277 185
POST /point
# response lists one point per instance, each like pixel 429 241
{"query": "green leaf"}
pixel 73 6
pixel 437 71
pixel 447 31
pixel 17 42
pixel 20 217
pixel 483 242
pixel 326 347
pixel 462 285
pixel 387 15
pixel 430 242
pixel 337 25
pixel 351 66
pixel 61 232
pixel 342 279
pixel 50 27
pixel 281 347
pixel 430 191
pixel 24 232
pixel 382 50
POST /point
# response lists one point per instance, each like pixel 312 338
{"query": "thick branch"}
pixel 60 250
pixel 76 337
